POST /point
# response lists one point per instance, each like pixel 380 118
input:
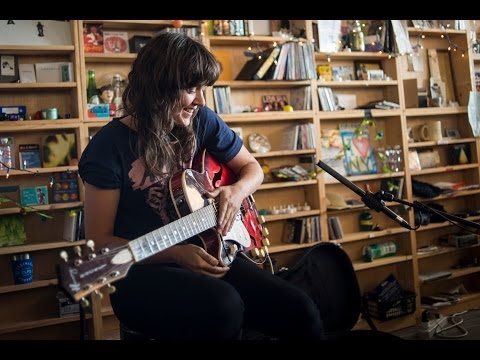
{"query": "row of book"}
pixel 300 99
pixel 335 230
pixel 327 99
pixel 222 99
pixel 302 230
pixel 46 72
pixel 73 227
pixel 299 137
pixel 291 61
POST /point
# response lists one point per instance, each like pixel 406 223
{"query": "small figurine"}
pixel 106 97
pixel 40 29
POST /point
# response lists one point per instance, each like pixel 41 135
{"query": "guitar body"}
pixel 197 217
pixel 188 189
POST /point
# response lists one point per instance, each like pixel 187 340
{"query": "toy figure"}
pixel 106 97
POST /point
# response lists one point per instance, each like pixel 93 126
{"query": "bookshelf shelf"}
pixel 444 142
pixel 266 116
pixel 33 285
pixel 358 83
pixel 36 49
pixel 359 266
pixel 436 111
pixel 38 86
pixel 40 247
pixel 284 153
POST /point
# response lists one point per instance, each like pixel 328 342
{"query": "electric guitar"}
pixel 197 216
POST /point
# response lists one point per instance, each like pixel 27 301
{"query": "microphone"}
pixel 368 198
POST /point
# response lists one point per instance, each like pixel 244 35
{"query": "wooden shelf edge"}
pixel 358 265
pixel 40 246
pixel 466 302
pixel 28 325
pixel 33 285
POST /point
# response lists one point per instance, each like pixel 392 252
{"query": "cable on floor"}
pixel 456 322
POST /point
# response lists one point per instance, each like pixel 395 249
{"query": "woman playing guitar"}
pixel 138 171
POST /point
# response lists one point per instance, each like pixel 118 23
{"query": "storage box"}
pixel 389 309
pixel 13 113
pixel 66 306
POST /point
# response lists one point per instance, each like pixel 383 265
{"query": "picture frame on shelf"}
pixel 362 67
pixel 9 69
pixel 238 130
pixel 375 74
pixel 452 133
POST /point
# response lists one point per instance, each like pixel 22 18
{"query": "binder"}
pixel 252 66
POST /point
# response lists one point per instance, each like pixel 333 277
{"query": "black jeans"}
pixel 168 302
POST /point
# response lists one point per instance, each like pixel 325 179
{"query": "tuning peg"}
pixel 265 248
pixel 64 255
pixel 266 242
pixel 99 294
pixel 265 232
pixel 232 250
pixel 262 253
pixel 91 245
pixel 111 289
pixel 78 250
pixel 84 303
pixel 261 219
pixel 104 250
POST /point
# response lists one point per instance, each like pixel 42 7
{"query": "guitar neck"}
pixel 174 233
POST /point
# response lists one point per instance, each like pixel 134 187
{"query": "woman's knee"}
pixel 227 310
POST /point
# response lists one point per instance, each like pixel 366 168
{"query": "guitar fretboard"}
pixel 173 233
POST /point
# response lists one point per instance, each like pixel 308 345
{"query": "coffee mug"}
pixel 431 131
pixel 22 268
pixel 50 114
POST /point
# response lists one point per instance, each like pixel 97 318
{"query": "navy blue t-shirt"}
pixel 109 162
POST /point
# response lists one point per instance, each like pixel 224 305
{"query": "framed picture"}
pixel 375 75
pixel 362 68
pixel 8 69
pixel 452 133
pixel 238 131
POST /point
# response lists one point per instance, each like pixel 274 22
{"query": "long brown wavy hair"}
pixel 166 65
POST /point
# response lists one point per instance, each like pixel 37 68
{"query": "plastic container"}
pixel 375 251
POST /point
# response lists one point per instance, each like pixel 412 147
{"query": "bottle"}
pixel 117 84
pixel 92 92
pixel 358 42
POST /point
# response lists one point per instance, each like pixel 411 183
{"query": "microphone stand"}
pixel 376 201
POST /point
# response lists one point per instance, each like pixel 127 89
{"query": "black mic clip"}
pixel 374 201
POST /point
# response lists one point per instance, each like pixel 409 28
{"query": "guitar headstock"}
pixel 88 272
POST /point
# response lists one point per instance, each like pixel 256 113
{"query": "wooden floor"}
pixel 468 329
